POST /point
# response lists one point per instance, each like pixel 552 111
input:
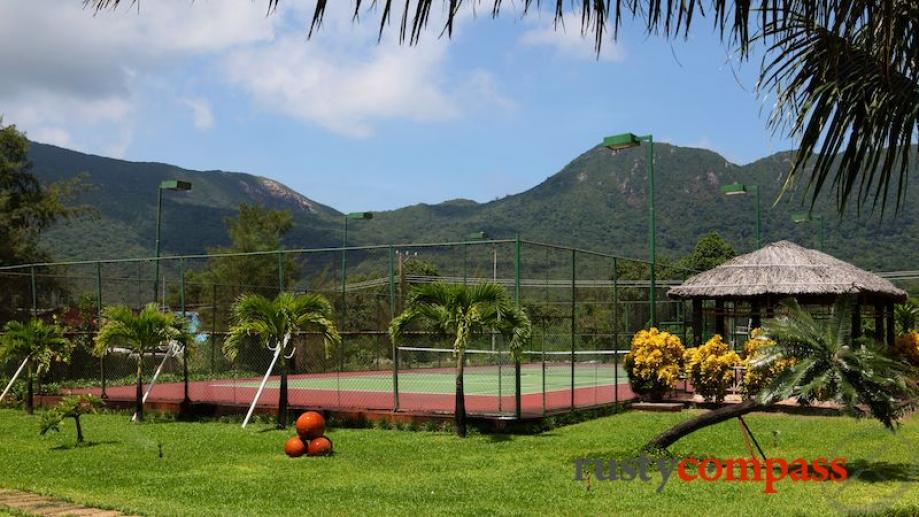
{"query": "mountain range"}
pixel 598 201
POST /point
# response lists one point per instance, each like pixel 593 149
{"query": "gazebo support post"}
pixel 857 320
pixel 719 317
pixel 756 321
pixel 697 321
pixel 890 325
pixel 879 321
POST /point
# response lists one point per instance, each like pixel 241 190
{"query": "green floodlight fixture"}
pixel 802 218
pixel 737 189
pixel 478 236
pixel 359 215
pixel 175 186
pixel 625 141
pixel 734 189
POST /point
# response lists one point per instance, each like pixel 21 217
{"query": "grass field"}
pixel 486 381
pixel 220 469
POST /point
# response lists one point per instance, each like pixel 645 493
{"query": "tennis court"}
pixel 490 389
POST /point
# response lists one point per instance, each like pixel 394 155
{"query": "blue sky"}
pixel 360 125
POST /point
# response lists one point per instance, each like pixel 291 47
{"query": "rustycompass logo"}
pixel 768 471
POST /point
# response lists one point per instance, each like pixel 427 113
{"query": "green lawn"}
pixel 220 469
pixel 477 380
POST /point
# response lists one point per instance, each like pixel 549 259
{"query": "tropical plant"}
pixel 38 344
pixel 70 407
pixel 457 312
pixel 841 72
pixel 907 347
pixel 906 316
pixel 272 323
pixel 711 368
pixel 759 375
pixel 140 333
pixel 654 362
pixel 829 366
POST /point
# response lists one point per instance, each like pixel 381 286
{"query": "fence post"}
pixel 574 256
pixel 186 399
pixel 615 330
pixel 517 392
pixel 213 327
pixel 392 312
pixel 99 323
pixel 34 292
pixel 281 273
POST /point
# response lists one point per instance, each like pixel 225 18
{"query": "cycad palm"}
pixel 38 342
pixel 457 312
pixel 829 366
pixel 140 333
pixel 273 323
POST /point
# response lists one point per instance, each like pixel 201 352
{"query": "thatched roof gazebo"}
pixel 781 270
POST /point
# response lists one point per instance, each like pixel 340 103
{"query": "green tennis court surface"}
pixel 477 380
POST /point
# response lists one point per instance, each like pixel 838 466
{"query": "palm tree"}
pixel 829 366
pixel 458 312
pixel 273 322
pixel 842 73
pixel 39 344
pixel 140 333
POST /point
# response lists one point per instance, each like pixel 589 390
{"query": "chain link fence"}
pixel 584 306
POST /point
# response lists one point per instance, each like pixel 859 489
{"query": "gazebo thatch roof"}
pixel 783 269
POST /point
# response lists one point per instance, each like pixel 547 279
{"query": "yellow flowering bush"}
pixel 907 347
pixel 758 378
pixel 653 363
pixel 711 368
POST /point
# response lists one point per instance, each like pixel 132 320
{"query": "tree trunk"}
pixel 139 394
pixel 670 436
pixel 282 396
pixel 460 409
pixel 186 399
pixel 76 419
pixel 30 394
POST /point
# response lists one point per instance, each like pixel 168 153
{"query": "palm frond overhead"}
pixel 843 72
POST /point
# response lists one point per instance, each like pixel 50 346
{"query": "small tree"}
pixel 140 333
pixel 70 407
pixel 458 312
pixel 828 365
pixel 273 322
pixel 39 344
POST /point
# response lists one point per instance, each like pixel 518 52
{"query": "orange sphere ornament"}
pixel 294 447
pixel 310 425
pixel 321 446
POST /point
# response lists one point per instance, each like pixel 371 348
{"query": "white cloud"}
pixel 52 135
pixel 202 116
pixel 66 69
pixel 570 43
pixel 344 81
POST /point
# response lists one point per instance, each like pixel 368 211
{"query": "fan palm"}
pixel 829 366
pixel 906 315
pixel 140 333
pixel 457 312
pixel 842 72
pixel 39 344
pixel 273 322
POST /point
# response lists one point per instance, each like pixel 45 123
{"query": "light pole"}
pixel 806 218
pixel 176 186
pixel 344 255
pixel 740 189
pixel 626 141
pixel 476 236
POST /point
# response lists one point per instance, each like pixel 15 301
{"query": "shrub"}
pixel 711 367
pixel 755 378
pixel 653 363
pixel 907 347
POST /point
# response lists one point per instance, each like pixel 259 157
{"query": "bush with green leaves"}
pixel 70 407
